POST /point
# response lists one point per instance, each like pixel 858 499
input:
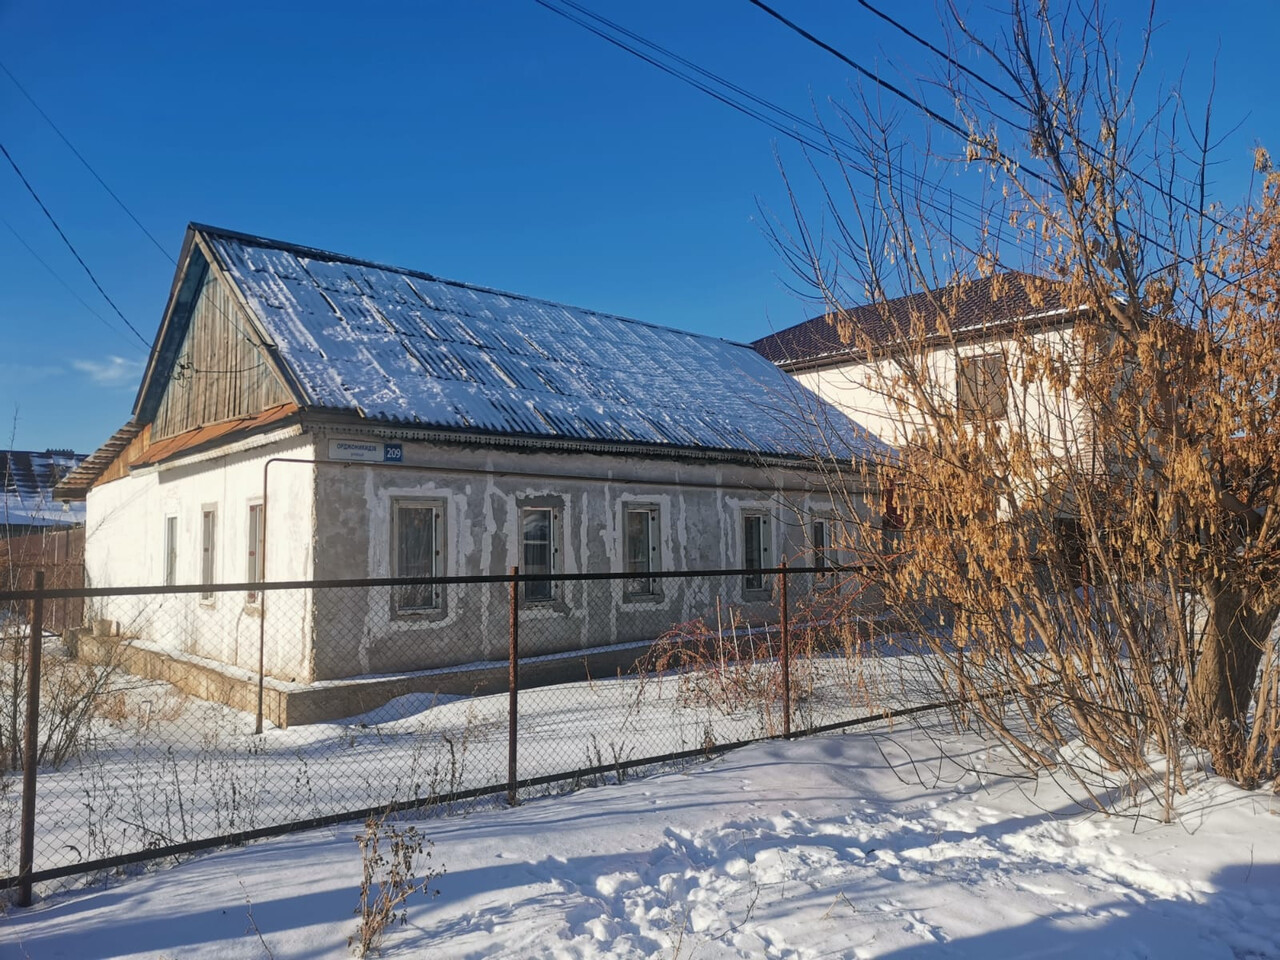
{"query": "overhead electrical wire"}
pixel 57 276
pixel 123 206
pixel 995 88
pixel 70 246
pixel 85 163
pixel 822 141
pixel 934 115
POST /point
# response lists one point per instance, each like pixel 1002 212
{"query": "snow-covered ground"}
pixel 161 768
pixel 893 842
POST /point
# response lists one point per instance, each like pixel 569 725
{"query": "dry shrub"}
pixel 734 665
pixel 390 876
pixel 72 696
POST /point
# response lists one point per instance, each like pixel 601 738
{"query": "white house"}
pixel 972 342
pixel 306 415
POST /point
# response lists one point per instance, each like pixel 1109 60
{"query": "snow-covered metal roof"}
pixel 402 346
pixel 27 480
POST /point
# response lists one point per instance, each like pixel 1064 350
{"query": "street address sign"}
pixel 366 451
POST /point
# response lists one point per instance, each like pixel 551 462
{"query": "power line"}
pixel 885 84
pixel 995 88
pixel 934 115
pixel 119 202
pixel 57 276
pixel 828 144
pixel 70 146
pixel 70 246
pixel 114 196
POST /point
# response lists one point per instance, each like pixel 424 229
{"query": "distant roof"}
pixel 401 346
pixel 989 304
pixel 27 479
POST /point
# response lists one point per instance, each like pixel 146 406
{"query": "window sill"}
pixel 554 605
pixel 411 616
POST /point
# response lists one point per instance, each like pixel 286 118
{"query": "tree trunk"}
pixel 1222 690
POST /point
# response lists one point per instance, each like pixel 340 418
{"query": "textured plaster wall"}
pixel 700 507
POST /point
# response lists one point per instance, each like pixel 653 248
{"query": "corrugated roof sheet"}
pixel 969 308
pixel 27 480
pixel 402 346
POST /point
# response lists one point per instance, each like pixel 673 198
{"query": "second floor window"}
pixel 982 387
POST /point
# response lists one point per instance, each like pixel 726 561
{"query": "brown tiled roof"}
pixel 971 308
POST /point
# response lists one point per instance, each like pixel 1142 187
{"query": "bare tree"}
pixel 1082 392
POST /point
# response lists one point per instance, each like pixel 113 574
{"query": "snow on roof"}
pixel 27 480
pixel 402 346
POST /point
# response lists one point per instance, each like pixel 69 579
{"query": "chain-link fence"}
pixel 180 718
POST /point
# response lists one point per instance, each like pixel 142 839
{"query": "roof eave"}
pixel 329 418
pixel 75 485
pixel 1044 321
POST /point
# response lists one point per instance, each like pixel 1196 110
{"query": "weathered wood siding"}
pixel 220 373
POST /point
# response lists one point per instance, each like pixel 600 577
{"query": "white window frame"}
pixel 640 583
pixel 254 571
pixel 435 594
pixel 170 572
pixel 757 584
pixel 541 591
pixel 208 550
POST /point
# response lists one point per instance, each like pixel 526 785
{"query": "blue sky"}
pixel 488 141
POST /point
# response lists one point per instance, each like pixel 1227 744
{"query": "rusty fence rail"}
pixel 184 718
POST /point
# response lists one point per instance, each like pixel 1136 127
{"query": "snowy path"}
pixel 814 849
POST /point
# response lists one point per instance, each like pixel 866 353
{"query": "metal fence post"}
pixel 513 685
pixel 31 747
pixel 786 659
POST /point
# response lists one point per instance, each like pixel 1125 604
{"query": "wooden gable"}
pixel 220 369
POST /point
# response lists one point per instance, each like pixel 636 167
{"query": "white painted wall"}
pixel 124 546
pixel 872 393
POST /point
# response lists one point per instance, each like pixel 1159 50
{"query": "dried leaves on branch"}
pixel 1082 397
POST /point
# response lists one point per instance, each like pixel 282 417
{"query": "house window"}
pixel 539 551
pixel 818 537
pixel 253 570
pixel 756 552
pixel 208 534
pixel 639 550
pixel 982 384
pixel 170 551
pixel 417 553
